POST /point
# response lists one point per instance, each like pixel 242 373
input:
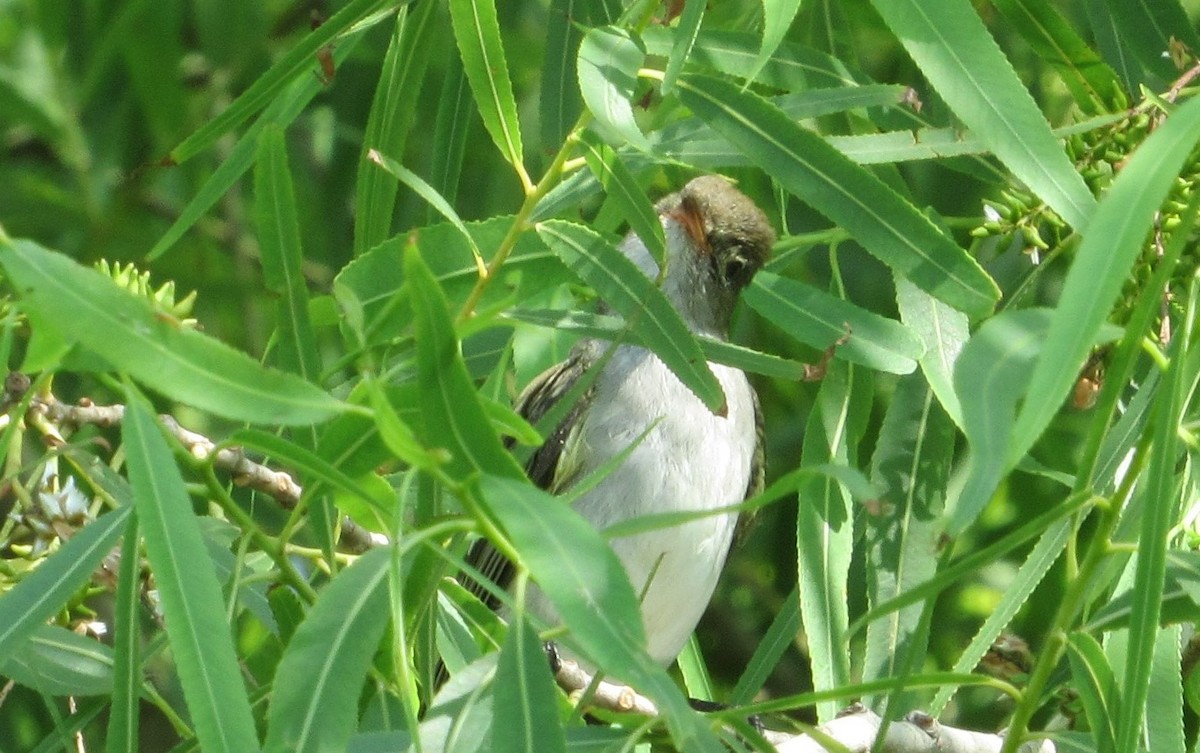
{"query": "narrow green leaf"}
pixel 716 351
pixel 429 194
pixel 1110 40
pixel 800 69
pixel 855 484
pixel 1147 30
pixel 128 333
pixel 911 467
pixel 1162 511
pixel 1101 266
pixel 561 102
pixel 312 465
pixel 393 111
pixel 56 661
pixel 298 62
pixel 825 532
pixel 816 318
pixel 193 607
pixel 696 680
pixel 1094 86
pixel 396 434
pixel 693 142
pixel 609 59
pixel 455 118
pixel 943 331
pixel 1164 696
pixel 452 415
pixel 953 49
pixel 1031 572
pixel 510 423
pixel 887 225
pixel 792 67
pixel 370 290
pixel 282 111
pixel 633 295
pixel 45 590
pixel 123 720
pixel 777 18
pixel 525 710
pixel 686 31
pixel 990 377
pixel 973 562
pixel 623 190
pixel 1097 688
pixel 65 729
pixel 478 35
pixel 778 638
pixel 578 572
pixel 461 713
pixel 1180 597
pixel 314 706
pixel 282 257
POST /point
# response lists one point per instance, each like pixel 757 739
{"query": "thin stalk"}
pixel 1068 608
pixel 272 546
pixel 520 223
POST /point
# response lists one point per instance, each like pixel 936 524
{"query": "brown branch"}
pixel 856 728
pixel 243 471
pixel 604 694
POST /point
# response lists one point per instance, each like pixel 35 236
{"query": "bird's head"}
pixel 717 239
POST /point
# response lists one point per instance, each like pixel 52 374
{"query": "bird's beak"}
pixel 688 217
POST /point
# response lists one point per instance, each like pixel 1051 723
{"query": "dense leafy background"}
pixel 984 193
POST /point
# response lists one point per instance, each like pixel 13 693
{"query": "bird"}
pixel 690 459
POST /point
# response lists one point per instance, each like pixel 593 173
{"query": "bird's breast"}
pixel 684 458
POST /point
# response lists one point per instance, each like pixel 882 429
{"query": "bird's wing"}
pixel 542 394
pixel 758 474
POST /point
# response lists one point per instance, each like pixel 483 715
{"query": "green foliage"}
pixel 394 217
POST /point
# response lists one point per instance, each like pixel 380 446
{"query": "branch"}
pixel 855 728
pixel 278 485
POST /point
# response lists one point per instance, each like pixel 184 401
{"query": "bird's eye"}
pixel 736 271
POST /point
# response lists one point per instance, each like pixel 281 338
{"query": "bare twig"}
pixel 855 728
pixel 604 694
pixel 278 485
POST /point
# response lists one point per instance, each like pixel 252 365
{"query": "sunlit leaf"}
pixel 990 376
pixel 609 59
pixel 282 256
pixel 391 119
pixel 1101 267
pixel 887 225
pixel 193 608
pixel 40 594
pixel 578 572
pixel 686 30
pixel 627 289
pixel 315 702
pixel 777 17
pixel 623 190
pixel 295 63
pixel 128 333
pixel 911 467
pixel 477 32
pixel 816 318
pixel 956 53
pixel 56 661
